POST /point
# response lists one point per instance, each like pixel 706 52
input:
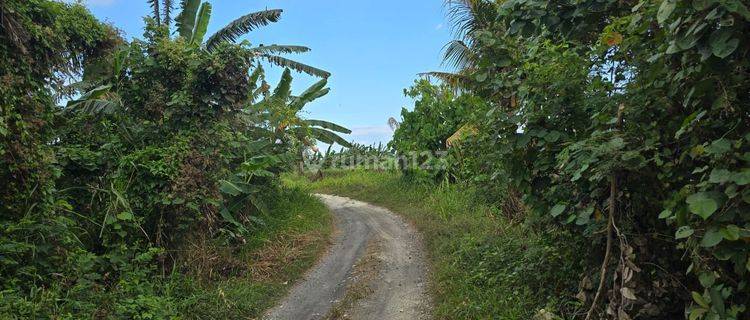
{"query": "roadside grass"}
pixel 294 234
pixel 484 266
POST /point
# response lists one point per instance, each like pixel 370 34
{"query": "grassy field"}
pixel 483 265
pixel 295 233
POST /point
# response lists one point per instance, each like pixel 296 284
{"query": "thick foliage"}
pixel 440 118
pixel 42 45
pixel 627 122
pixel 164 153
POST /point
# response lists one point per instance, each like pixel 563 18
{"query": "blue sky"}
pixel 374 49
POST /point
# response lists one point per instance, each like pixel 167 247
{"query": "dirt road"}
pixel 375 269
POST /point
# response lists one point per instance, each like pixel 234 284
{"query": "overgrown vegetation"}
pixel 484 265
pixel 154 192
pixel 623 122
pixel 597 162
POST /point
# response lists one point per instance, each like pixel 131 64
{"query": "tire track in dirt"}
pixel 375 269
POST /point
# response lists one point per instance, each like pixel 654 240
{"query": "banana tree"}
pixel 282 112
pixel 99 83
pixel 192 25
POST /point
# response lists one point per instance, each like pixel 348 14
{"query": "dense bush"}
pixel 426 133
pixel 42 44
pixel 161 150
pixel 625 121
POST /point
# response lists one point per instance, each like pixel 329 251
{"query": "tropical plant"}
pixel 192 24
pixel 618 121
pixel 282 110
pixel 470 19
pixel 157 158
pixel 424 133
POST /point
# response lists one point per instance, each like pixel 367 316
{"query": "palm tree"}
pixel 468 17
pixel 192 24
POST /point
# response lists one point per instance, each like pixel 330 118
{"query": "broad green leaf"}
pixel 665 10
pixel 229 218
pixel 717 301
pixel 584 216
pixel 684 232
pixel 327 125
pixel 552 136
pixel 719 175
pixel 201 25
pixel 701 5
pixel 313 92
pixel 557 210
pixel 731 232
pixel 722 44
pixel 617 143
pixel 697 313
pixel 702 204
pixel 125 216
pixel 736 6
pixel 711 238
pixel 284 87
pixel 229 188
pixel 724 49
pixel 731 191
pixel 571 218
pixel 328 137
pixel 707 279
pixel 294 65
pixel 665 214
pixel 719 146
pixel 698 298
pixel 742 178
pixel 185 21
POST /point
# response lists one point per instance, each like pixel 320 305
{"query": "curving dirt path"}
pixel 375 269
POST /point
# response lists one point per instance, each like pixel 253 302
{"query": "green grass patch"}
pixel 294 234
pixel 483 265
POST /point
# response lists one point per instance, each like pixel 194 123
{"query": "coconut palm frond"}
pixel 456 81
pixel 296 66
pixel 468 16
pixel 243 25
pixel 186 19
pixel 458 55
